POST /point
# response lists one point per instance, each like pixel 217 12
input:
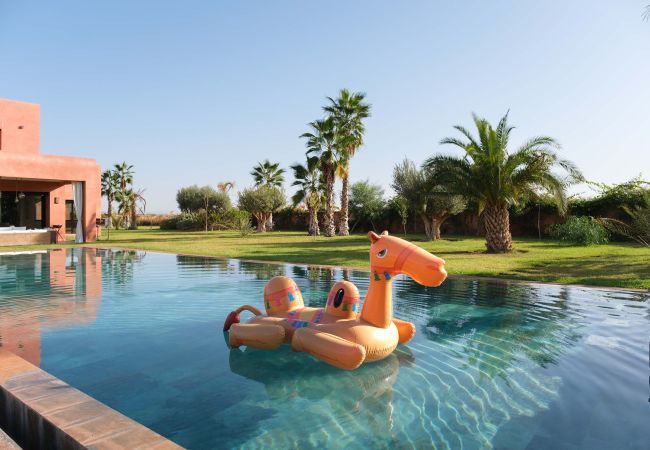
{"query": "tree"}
pixel 426 197
pixel 497 179
pixel 366 202
pixel 267 173
pixel 110 186
pixel 261 202
pixel 308 179
pixel 124 173
pixel 321 142
pixel 195 198
pixel 401 206
pixel 128 206
pixel 348 111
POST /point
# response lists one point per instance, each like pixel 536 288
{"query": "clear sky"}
pixel 198 92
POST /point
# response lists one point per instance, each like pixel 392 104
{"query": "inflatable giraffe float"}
pixel 341 334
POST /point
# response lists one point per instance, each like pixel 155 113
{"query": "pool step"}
pixel 41 411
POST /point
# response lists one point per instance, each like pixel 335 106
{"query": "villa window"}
pixel 23 209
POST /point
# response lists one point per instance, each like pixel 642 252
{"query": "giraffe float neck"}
pixel 378 304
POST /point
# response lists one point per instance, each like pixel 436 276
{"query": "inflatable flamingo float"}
pixel 341 334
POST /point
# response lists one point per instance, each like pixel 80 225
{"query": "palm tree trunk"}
pixel 329 230
pixel 109 219
pixel 344 229
pixel 134 222
pixel 497 229
pixel 313 222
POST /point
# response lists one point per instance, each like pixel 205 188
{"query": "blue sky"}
pixel 198 92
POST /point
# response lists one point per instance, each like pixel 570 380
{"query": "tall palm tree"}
pixel 321 142
pixel 110 186
pixel 497 179
pixel 310 190
pixel 125 174
pixel 267 173
pixel 349 110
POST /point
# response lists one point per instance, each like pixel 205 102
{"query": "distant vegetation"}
pixel 117 186
pixel 489 190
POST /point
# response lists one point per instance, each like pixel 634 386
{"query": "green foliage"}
pixel 638 227
pixel 425 196
pixel 309 181
pixel 194 198
pixel 613 199
pixel 261 202
pixel 231 219
pixel 401 207
pixel 580 230
pixel 366 202
pixel 268 173
pixel 492 176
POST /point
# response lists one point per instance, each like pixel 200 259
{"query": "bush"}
pixel 169 224
pixel 580 230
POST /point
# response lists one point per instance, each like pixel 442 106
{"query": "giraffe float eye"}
pixel 382 253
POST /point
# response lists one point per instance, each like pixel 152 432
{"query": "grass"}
pixel 614 265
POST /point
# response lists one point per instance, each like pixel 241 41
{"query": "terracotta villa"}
pixel 42 197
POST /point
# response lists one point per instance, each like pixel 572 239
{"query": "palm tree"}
pixel 110 186
pixel 497 179
pixel 321 142
pixel 310 190
pixel 124 174
pixel 225 186
pixel 267 173
pixel 349 111
pixel 128 206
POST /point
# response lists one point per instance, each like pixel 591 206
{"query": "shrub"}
pixel 580 230
pixel 169 224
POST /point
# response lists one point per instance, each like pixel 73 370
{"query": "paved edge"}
pixel 41 411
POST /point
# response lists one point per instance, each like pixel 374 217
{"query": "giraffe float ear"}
pixel 384 233
pixel 374 237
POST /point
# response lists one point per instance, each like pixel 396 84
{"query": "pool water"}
pixel 493 365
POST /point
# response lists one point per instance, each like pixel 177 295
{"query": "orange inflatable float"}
pixel 342 334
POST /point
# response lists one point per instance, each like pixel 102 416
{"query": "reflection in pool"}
pixel 493 365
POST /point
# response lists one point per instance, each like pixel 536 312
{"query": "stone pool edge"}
pixel 40 411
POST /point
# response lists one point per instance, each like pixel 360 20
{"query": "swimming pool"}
pixel 493 365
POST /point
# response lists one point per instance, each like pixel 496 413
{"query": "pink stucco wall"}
pixel 24 168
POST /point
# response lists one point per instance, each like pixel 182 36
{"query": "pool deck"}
pixel 41 411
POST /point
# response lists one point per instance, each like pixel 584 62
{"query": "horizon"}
pixel 177 91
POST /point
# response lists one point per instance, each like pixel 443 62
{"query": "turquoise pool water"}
pixel 507 366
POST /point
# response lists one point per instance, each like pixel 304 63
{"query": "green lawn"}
pixel 617 265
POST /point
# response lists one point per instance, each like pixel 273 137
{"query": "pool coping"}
pixel 41 411
pixel 367 269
